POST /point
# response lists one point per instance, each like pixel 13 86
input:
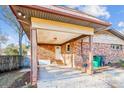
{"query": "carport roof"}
pixel 56 13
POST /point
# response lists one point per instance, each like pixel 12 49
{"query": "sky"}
pixel 111 13
pixel 10 32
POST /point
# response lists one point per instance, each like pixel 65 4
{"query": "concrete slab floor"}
pixel 62 77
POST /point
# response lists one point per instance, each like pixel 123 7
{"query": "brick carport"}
pixel 39 20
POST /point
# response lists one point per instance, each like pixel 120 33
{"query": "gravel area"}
pixel 62 77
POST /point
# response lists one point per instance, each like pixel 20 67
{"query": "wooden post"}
pixel 90 66
pixel 33 38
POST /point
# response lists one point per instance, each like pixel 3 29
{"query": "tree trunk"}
pixel 20 49
pixel 20 43
pixel 20 46
pixel 0 49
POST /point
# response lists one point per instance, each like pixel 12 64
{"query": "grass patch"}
pixel 121 62
pixel 29 86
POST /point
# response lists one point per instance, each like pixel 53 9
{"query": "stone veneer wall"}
pixel 46 52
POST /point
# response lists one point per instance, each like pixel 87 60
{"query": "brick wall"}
pixel 46 52
pixel 103 49
pixel 77 57
pixel 68 56
pixel 106 50
pixel 99 49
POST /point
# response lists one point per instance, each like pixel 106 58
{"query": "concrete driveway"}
pixel 63 77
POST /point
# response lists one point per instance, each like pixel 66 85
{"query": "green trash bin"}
pixel 96 61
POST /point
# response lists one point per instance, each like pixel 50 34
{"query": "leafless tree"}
pixel 8 17
pixel 3 40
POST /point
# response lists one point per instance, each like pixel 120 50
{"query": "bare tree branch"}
pixel 7 16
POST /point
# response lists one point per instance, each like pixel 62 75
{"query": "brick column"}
pixel 33 38
pixel 90 66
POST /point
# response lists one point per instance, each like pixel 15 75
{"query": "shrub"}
pixel 121 62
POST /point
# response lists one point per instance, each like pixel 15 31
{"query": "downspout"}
pixel 81 47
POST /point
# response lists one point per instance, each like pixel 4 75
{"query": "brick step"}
pixel 59 62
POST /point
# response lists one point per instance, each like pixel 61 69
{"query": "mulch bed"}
pixel 117 65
